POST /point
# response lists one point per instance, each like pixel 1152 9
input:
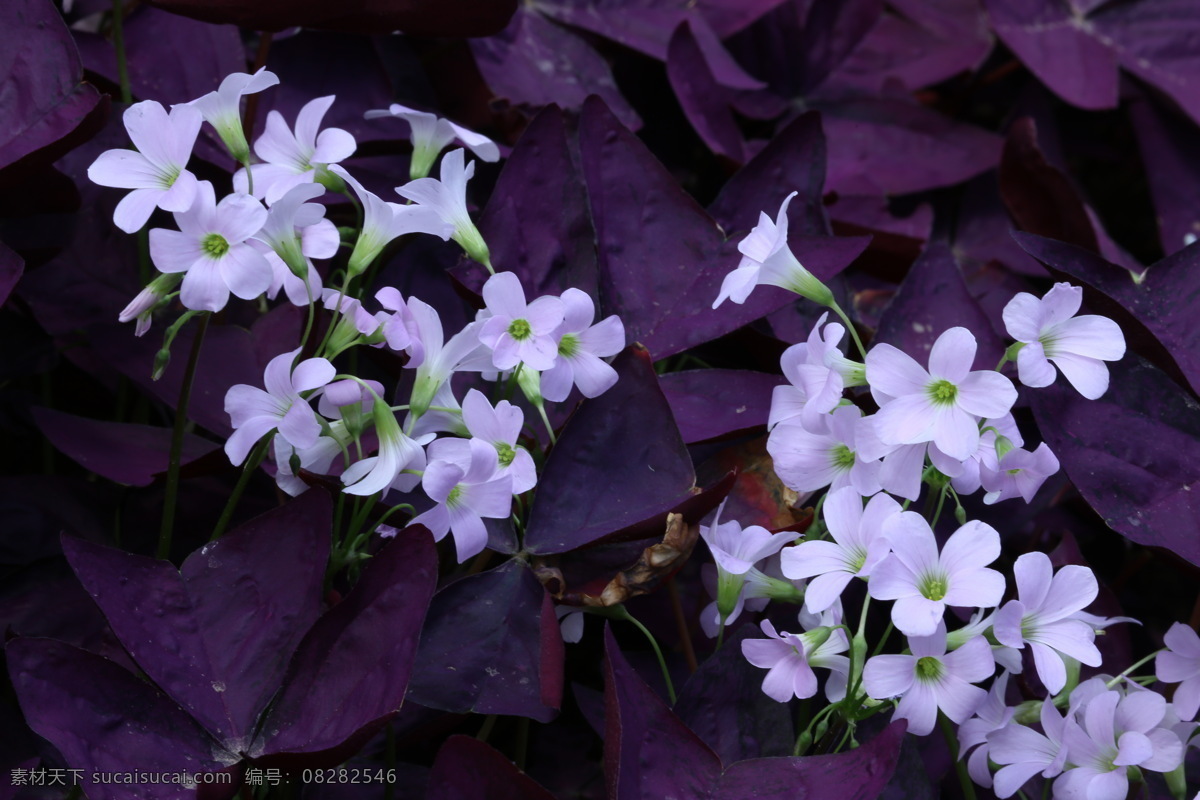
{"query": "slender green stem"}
pixel 308 325
pixel 850 327
pixel 118 38
pixel 172 489
pixel 621 612
pixel 546 421
pixel 337 313
pixel 960 766
pixel 248 469
pixel 938 512
pixel 1131 668
pixel 485 730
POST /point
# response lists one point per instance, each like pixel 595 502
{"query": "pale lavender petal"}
pixel 889 675
pixel 1050 667
pixel 320 240
pixel 1033 369
pixel 299 426
pixel 278 146
pixel 765 653
pixel 150 129
pixel 593 376
pixel 504 295
pixel 919 706
pixel 578 310
pixel 238 445
pixel 952 355
pixel 910 419
pixel 986 394
pixel 308 121
pixel 558 380
pixel 901 471
pixel 843 512
pixel 1073 588
pixel 135 209
pixel 738 284
pixel 125 169
pixel 470 534
pixel 439 479
pixel 894 372
pixel 239 216
pixel 243 402
pixel 1182 639
pixel 1140 711
pixel 957 698
pixel 824 590
pixel 436 519
pixel 1022 317
pixel 915 615
pixel 955 432
pixel 981 588
pixel 491 499
pixel 976 544
pixel 204 288
pixel 172 251
pixel 1006 624
pixel 1060 304
pixel 544 315
pixel 813 558
pixel 312 373
pixel 480 145
pixel 605 338
pixel 913 542
pixel 1087 375
pixel 1167 752
pixel 245 271
pixel 333 145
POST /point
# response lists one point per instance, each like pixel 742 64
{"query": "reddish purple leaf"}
pixel 104 719
pixel 535 62
pixel 42 96
pixel 351 671
pixel 1159 303
pixel 708 403
pixel 491 645
pixel 581 498
pixel 1134 454
pixel 932 299
pixel 469 769
pixel 217 635
pixel 11 268
pixel 123 452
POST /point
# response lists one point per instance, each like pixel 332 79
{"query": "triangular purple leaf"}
pixel 580 497
pixel 708 403
pixel 1168 147
pixel 351 671
pixel 491 645
pixel 704 100
pixel 469 769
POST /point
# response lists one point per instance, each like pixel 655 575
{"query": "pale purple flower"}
pixel 354 316
pixel 1116 732
pixel 1018 473
pixel 943 404
pixel 317 459
pixel 807 461
pixel 814 385
pixel 222 108
pixel 465 493
pixel 570 622
pixel 399 329
pixel 430 133
pixel 767 259
pixel 923 582
pixel 397 452
pixel 462 353
pixel 1054 336
pixel 448 199
pixel 710 616
pixel 736 551
pixel 211 247
pixel 383 222
pixel 348 398
pixel 288 217
pixel 156 171
pixel 980 624
pixel 1041 616
pixel 790 658
pixel 992 715
pixel 500 427
pixel 1023 752
pixel 147 300
pixel 517 332
pixel 255 413
pixel 581 346
pixel 294 159
pixel 1180 663
pixel 968 480
pixel 858 546
pixel 931 679
pixel 316 241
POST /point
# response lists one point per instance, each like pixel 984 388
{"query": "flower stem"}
pixel 850 327
pixel 960 766
pixel 621 612
pixel 248 469
pixel 1131 668
pixel 118 38
pixel 172 491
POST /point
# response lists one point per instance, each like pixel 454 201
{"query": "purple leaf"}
pixel 708 403
pixel 535 62
pixel 933 298
pixel 705 101
pixel 1134 454
pixel 104 719
pixel 581 497
pixel 12 266
pixel 351 670
pixel 42 96
pixel 1168 148
pixel 1159 302
pixel 469 769
pixel 491 645
pixel 123 452
pixel 217 635
pixel 860 774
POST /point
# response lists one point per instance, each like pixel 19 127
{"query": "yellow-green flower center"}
pixel 505 453
pixel 843 457
pixel 214 245
pixel 929 668
pixel 455 496
pixel 942 392
pixel 934 586
pixel 568 345
pixel 519 329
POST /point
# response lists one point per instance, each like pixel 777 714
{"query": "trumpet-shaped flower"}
pixel 817 372
pixel 790 658
pixel 807 461
pixel 992 715
pixel 923 582
pixel 383 222
pixel 581 346
pixel 943 404
pixel 255 413
pixel 291 213
pixel 767 259
pixel 1018 473
pixel 736 551
pixel 931 679
pixel 142 306
pixel 293 159
pixel 517 332
pixel 1054 336
pixel 156 171
pixel 211 247
pixel 397 452
pixel 858 546
pixel 430 133
pixel 465 493
pixel 448 199
pixel 1041 615
pixel 462 353
pixel 222 108
pixel 1180 663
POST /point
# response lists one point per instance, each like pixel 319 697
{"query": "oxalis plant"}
pixel 448 465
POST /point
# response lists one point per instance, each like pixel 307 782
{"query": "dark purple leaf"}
pixel 1172 160
pixel 860 774
pixel 42 96
pixel 793 161
pixel 351 670
pixel 724 704
pixel 983 231
pixel 894 146
pixel 216 637
pixel 1134 454
pixel 454 18
pixel 469 769
pixel 11 268
pixel 123 452
pixel 581 498
pixel 932 299
pixel 1059 48
pixel 1160 302
pixel 707 104
pixel 103 719
pixel 38 509
pixel 153 41
pixel 491 645
pixel 535 62
pixel 708 403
